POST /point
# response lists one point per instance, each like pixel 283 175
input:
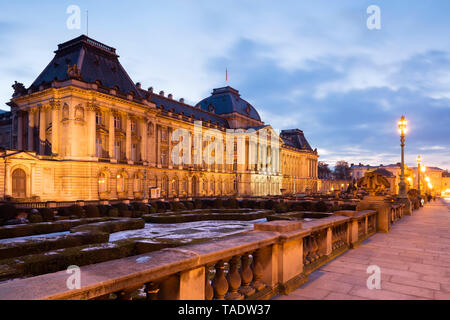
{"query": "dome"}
pixel 228 100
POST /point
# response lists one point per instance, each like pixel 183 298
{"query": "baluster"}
pixel 220 283
pixel 151 290
pixel 257 272
pixel 309 244
pixel 315 247
pixel 305 251
pixel 234 280
pixel 246 276
pixel 209 291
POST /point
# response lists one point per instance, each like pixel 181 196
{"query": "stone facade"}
pixel 84 131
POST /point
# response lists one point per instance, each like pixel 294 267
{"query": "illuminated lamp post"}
pixel 419 162
pixel 402 195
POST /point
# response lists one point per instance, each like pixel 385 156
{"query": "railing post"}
pixel 220 283
pixel 329 242
pixel 246 276
pixel 234 280
pixel 192 284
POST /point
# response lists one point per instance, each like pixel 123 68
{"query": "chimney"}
pixel 161 93
pixel 182 100
pixel 150 89
pixel 138 85
pixel 170 96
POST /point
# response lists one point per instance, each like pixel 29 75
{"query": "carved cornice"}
pixel 92 106
pixel 54 105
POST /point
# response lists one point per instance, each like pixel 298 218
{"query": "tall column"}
pixel 92 131
pixel 30 145
pixel 42 128
pixel 55 129
pixel 19 130
pixel 128 138
pixel 158 145
pixel 111 136
pixel 143 143
pixel 169 134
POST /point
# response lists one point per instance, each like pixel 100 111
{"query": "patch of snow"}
pixel 142 259
pixel 34 237
pixel 102 246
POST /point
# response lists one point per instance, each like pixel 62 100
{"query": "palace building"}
pixel 84 130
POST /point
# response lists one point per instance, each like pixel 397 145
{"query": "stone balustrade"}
pixel 363 224
pixel 276 257
pixel 397 212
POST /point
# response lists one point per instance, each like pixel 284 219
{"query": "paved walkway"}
pixel 414 259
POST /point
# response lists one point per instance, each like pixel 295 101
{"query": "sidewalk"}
pixel 414 259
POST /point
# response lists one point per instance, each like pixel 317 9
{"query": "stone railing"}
pixel 397 212
pixel 363 224
pixel 274 258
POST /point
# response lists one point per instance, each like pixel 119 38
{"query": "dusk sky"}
pixel 312 65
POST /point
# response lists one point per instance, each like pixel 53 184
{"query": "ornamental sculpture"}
pixel 374 182
pixel 19 89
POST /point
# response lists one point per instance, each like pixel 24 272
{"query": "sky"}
pixel 312 65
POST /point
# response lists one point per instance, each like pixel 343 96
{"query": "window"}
pixel 98 147
pixel 137 183
pixel 117 123
pixel 175 186
pixel 102 183
pixel 205 186
pixel 165 185
pixel 98 118
pixel 19 184
pixel 117 148
pixel 212 186
pixel 133 152
pixel 133 125
pixel 120 183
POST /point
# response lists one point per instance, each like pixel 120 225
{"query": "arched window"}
pixel 185 185
pixel 79 113
pixel 19 184
pixel 175 186
pixel 120 183
pixel 165 185
pixel 212 186
pixel 194 190
pixel 102 183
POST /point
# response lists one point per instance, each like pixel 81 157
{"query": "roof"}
pixel 296 139
pixel 95 61
pixel 228 100
pixel 181 107
pixel 384 172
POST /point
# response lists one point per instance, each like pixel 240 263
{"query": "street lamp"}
pixel 402 185
pixel 419 162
